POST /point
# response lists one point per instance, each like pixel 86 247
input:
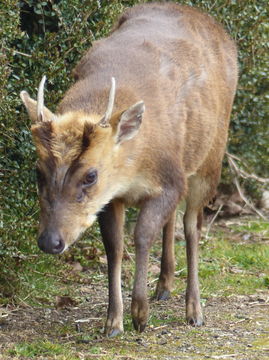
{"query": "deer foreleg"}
pixel 111 225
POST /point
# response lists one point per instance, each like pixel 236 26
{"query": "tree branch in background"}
pixel 235 168
pixel 238 172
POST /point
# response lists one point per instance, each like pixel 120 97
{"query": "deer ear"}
pixel 130 121
pixel 31 107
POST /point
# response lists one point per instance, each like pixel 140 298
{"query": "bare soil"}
pixel 236 328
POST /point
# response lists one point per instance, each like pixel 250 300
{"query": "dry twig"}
pixel 237 171
pixel 243 173
pixel 248 203
pixel 212 221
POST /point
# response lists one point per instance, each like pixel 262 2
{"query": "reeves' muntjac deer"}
pixel 161 139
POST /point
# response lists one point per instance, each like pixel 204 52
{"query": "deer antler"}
pixel 105 119
pixel 40 100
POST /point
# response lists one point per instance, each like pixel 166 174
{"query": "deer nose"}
pixel 51 242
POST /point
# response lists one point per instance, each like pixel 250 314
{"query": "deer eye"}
pixel 90 178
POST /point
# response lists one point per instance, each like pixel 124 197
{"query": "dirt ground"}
pixel 236 328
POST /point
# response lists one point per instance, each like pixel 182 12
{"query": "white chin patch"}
pixel 65 248
pixel 91 220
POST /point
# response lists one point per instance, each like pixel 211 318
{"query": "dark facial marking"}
pixel 74 167
pixel 88 130
pixel 41 179
pixel 86 139
pixel 44 134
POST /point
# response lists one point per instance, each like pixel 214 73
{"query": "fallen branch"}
pixel 15 52
pixel 239 172
pixel 224 356
pixel 212 221
pixel 243 173
pixel 248 203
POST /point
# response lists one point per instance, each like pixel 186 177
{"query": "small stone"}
pixel 264 202
pixel 83 341
pixel 164 332
pixel 77 267
pixel 246 237
pixel 141 342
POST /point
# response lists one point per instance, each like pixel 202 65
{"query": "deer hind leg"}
pixel 166 279
pixel 199 192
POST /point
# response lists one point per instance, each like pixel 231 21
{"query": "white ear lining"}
pixel 130 122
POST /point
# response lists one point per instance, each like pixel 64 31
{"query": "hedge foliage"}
pixel 48 37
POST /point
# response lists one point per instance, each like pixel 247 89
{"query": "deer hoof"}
pixel 162 295
pixel 197 321
pixel 114 332
pixel 140 312
pixel 140 327
pixel 114 327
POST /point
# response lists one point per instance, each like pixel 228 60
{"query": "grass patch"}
pixel 33 279
pixel 41 279
pixel 228 267
pixel 254 226
pixel 41 349
pixel 250 256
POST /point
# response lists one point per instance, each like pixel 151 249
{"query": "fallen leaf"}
pixel 64 302
pixel 77 267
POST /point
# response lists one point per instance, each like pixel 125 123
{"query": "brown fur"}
pixel 183 65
